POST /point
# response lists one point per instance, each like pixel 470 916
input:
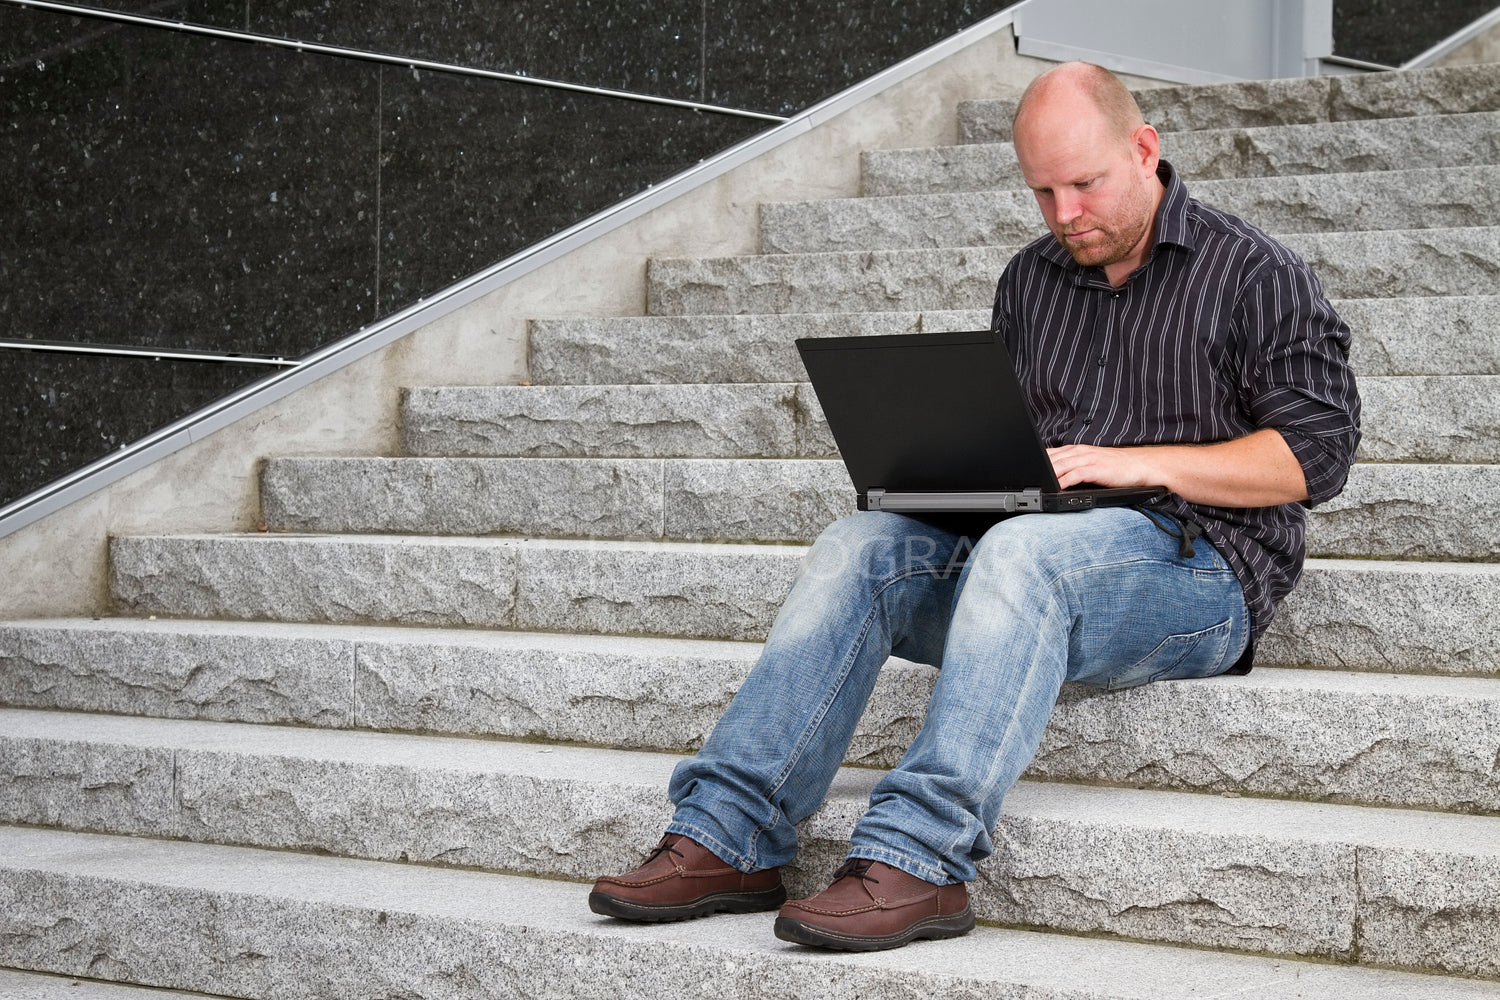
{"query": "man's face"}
pixel 1093 191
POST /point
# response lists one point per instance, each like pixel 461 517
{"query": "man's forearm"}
pixel 1258 470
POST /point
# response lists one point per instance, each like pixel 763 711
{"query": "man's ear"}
pixel 1145 147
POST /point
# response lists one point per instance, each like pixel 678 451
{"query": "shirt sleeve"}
pixel 1297 377
pixel 1000 312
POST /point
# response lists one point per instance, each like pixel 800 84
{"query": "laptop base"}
pixel 1003 501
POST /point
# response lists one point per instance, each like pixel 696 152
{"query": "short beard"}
pixel 1121 234
pixel 1115 247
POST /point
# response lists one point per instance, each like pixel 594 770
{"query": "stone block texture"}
pixel 709 349
pixel 1395 264
pixel 179 669
pixel 1428 335
pixel 1457 420
pixel 644 421
pixel 250 923
pixel 582 497
pixel 1456 140
pixel 1447 91
pixel 1401 511
pixel 1157 865
pixel 1436 198
pixel 1318 735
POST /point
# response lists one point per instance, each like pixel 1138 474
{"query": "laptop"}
pixel 937 422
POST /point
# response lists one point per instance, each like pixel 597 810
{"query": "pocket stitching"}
pixel 1189 641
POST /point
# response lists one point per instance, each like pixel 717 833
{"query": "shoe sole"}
pixel 606 905
pixel 800 932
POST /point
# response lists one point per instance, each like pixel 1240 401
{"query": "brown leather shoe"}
pixel 682 879
pixel 871 906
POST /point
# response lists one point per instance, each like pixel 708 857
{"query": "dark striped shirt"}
pixel 1222 332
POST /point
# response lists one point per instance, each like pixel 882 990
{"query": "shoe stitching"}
pixel 832 913
pixel 677 872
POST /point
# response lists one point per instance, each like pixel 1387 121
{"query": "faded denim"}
pixel 1103 597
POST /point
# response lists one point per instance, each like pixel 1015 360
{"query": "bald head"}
pixel 1076 85
pixel 1092 164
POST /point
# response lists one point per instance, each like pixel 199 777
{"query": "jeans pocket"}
pixel 1192 654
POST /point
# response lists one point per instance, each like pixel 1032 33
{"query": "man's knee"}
pixel 875 544
pixel 1030 547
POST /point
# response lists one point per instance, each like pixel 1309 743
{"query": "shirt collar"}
pixel 1172 228
pixel 1172 217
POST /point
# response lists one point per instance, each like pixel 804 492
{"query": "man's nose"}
pixel 1067 205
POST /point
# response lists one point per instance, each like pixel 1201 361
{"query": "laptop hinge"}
pixel 1004 501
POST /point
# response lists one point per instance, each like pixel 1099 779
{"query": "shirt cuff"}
pixel 1325 463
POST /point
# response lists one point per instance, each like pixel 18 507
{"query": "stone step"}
pixel 772 419
pixel 1447 198
pixel 1253 104
pixel 1391 264
pixel 1305 734
pixel 1429 418
pixel 621 350
pixel 1455 140
pixel 1387 511
pixel 1279 877
pixel 691 590
pixel 37 986
pixel 262 923
pixel 690 499
pixel 1409 617
pixel 1396 511
pixel 1450 335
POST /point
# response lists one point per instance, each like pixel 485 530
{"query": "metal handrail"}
pixel 1360 64
pixel 156 354
pixel 384 58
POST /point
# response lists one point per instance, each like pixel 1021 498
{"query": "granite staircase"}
pixel 380 749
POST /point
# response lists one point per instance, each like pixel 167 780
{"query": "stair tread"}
pixel 698 548
pixel 1407 93
pixel 1272 150
pixel 1317 735
pixel 1406 419
pixel 448 910
pixel 16 985
pixel 1422 197
pixel 1395 336
pixel 1263 677
pixel 1406 511
pixel 1393 263
pixel 1372 826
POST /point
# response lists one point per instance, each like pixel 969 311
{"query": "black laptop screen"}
pixel 931 411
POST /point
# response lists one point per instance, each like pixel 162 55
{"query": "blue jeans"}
pixel 1103 597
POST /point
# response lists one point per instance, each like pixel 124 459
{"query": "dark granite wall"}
pixel 1390 32
pixel 63 410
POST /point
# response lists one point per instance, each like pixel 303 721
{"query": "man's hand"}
pixel 1257 470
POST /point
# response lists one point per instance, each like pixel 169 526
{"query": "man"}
pixel 1160 342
